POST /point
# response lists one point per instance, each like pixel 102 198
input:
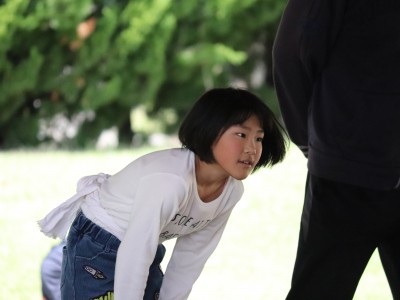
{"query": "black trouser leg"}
pixel 341 227
pixel 390 256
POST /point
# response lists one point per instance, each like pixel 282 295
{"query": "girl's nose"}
pixel 250 148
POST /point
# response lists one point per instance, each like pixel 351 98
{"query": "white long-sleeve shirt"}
pixel 154 199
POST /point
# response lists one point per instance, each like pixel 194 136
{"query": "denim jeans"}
pixel 88 266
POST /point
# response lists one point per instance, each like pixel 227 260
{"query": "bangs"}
pixel 240 116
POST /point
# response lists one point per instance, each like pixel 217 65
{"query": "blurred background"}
pixel 74 71
pixel 87 86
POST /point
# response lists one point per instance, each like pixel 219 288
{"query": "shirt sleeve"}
pixel 189 257
pixel 307 32
pixel 157 198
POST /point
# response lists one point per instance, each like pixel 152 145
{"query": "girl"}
pixel 114 244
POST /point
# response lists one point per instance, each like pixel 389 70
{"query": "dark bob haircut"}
pixel 220 108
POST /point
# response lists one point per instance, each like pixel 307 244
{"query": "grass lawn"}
pixel 253 261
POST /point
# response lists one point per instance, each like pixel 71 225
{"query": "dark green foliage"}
pixel 64 58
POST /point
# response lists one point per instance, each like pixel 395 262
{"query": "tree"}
pixel 91 61
pixel 216 43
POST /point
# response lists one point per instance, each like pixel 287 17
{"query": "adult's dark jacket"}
pixel 337 77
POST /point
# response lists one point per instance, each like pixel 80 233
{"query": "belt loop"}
pixel 112 243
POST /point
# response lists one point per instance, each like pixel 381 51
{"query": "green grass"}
pixel 253 261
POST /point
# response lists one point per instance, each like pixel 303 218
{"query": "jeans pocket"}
pixel 94 266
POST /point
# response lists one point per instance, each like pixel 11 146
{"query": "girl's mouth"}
pixel 246 162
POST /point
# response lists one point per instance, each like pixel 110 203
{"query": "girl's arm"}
pixel 156 200
pixel 189 257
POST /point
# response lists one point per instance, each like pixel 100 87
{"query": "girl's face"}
pixel 239 148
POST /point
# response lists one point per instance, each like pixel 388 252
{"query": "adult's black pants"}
pixel 341 226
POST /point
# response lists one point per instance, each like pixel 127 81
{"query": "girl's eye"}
pixel 242 135
pixel 259 139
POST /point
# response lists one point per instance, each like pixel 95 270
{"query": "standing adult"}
pixel 337 77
